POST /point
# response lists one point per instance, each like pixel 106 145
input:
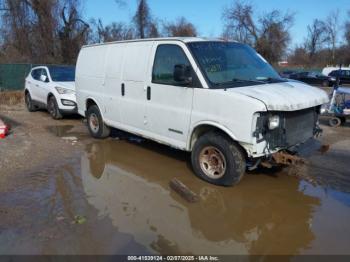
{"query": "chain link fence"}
pixel 12 76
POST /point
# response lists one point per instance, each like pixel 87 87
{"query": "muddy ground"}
pixel 63 192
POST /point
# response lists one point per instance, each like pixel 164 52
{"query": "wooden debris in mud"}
pixel 183 190
pixel 323 149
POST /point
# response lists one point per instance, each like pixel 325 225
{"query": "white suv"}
pixel 52 88
pixel 219 100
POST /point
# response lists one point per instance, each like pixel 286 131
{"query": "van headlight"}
pixel 62 90
pixel 274 122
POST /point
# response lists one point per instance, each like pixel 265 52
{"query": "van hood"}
pixel 68 85
pixel 285 96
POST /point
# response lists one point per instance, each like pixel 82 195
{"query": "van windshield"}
pixel 62 73
pixel 229 64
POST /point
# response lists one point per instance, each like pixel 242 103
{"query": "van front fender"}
pixel 206 126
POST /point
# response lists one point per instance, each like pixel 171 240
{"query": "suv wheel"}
pixel 29 102
pixel 53 109
pixel 218 160
pixel 97 128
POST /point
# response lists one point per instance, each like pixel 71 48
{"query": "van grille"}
pixel 296 127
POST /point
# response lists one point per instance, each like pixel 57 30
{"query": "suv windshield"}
pixel 229 64
pixel 62 73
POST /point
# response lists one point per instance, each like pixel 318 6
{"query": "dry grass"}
pixel 11 97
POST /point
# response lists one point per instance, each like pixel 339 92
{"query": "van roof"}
pixel 181 39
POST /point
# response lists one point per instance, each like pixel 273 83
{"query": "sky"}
pixel 206 15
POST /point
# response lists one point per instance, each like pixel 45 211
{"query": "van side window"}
pixel 166 58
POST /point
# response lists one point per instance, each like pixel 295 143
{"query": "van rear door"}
pixel 169 103
pixel 113 82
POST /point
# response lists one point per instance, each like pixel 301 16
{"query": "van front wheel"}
pixel 218 160
pixel 97 128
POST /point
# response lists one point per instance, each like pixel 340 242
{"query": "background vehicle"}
pixel 338 110
pixel 52 88
pixel 343 74
pixel 314 78
pixel 286 74
pixel 327 70
pixel 220 100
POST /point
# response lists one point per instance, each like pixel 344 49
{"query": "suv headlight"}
pixel 62 90
pixel 274 122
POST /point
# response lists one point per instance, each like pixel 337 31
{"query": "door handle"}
pixel 148 93
pixel 123 89
pixel 37 85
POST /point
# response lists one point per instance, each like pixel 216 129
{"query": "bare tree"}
pixel 347 30
pixel 45 28
pixel 269 35
pixel 154 30
pixel 181 27
pixel 36 31
pixel 73 31
pixel 239 24
pixel 142 18
pixel 317 36
pixel 16 29
pixel 332 27
pixel 112 32
pixel 299 57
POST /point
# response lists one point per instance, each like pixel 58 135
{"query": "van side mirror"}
pixel 44 78
pixel 182 74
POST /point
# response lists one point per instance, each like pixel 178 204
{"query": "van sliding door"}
pixel 133 86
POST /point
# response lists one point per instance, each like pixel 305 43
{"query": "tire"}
pixel 29 102
pixel 335 122
pixel 96 126
pixel 218 160
pixel 343 120
pixel 325 83
pixel 52 108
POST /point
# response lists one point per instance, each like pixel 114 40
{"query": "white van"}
pixel 219 100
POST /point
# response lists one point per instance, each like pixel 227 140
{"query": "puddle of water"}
pixel 60 131
pixel 122 189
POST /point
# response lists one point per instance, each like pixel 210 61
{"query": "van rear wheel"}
pixel 218 160
pixel 96 126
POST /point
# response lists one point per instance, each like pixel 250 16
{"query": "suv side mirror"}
pixel 182 74
pixel 44 78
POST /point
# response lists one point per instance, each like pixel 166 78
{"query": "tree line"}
pixel 321 46
pixel 53 31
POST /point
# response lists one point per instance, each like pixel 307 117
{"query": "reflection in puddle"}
pixel 263 215
pixel 60 131
pixel 122 189
pixel 69 133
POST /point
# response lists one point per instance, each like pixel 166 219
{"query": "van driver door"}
pixel 169 101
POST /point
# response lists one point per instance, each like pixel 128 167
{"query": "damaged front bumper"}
pixel 280 144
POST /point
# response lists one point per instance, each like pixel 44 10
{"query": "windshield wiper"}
pixel 237 80
pixel 272 80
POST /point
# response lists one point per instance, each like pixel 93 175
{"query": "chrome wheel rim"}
pixel 212 162
pixel 93 123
